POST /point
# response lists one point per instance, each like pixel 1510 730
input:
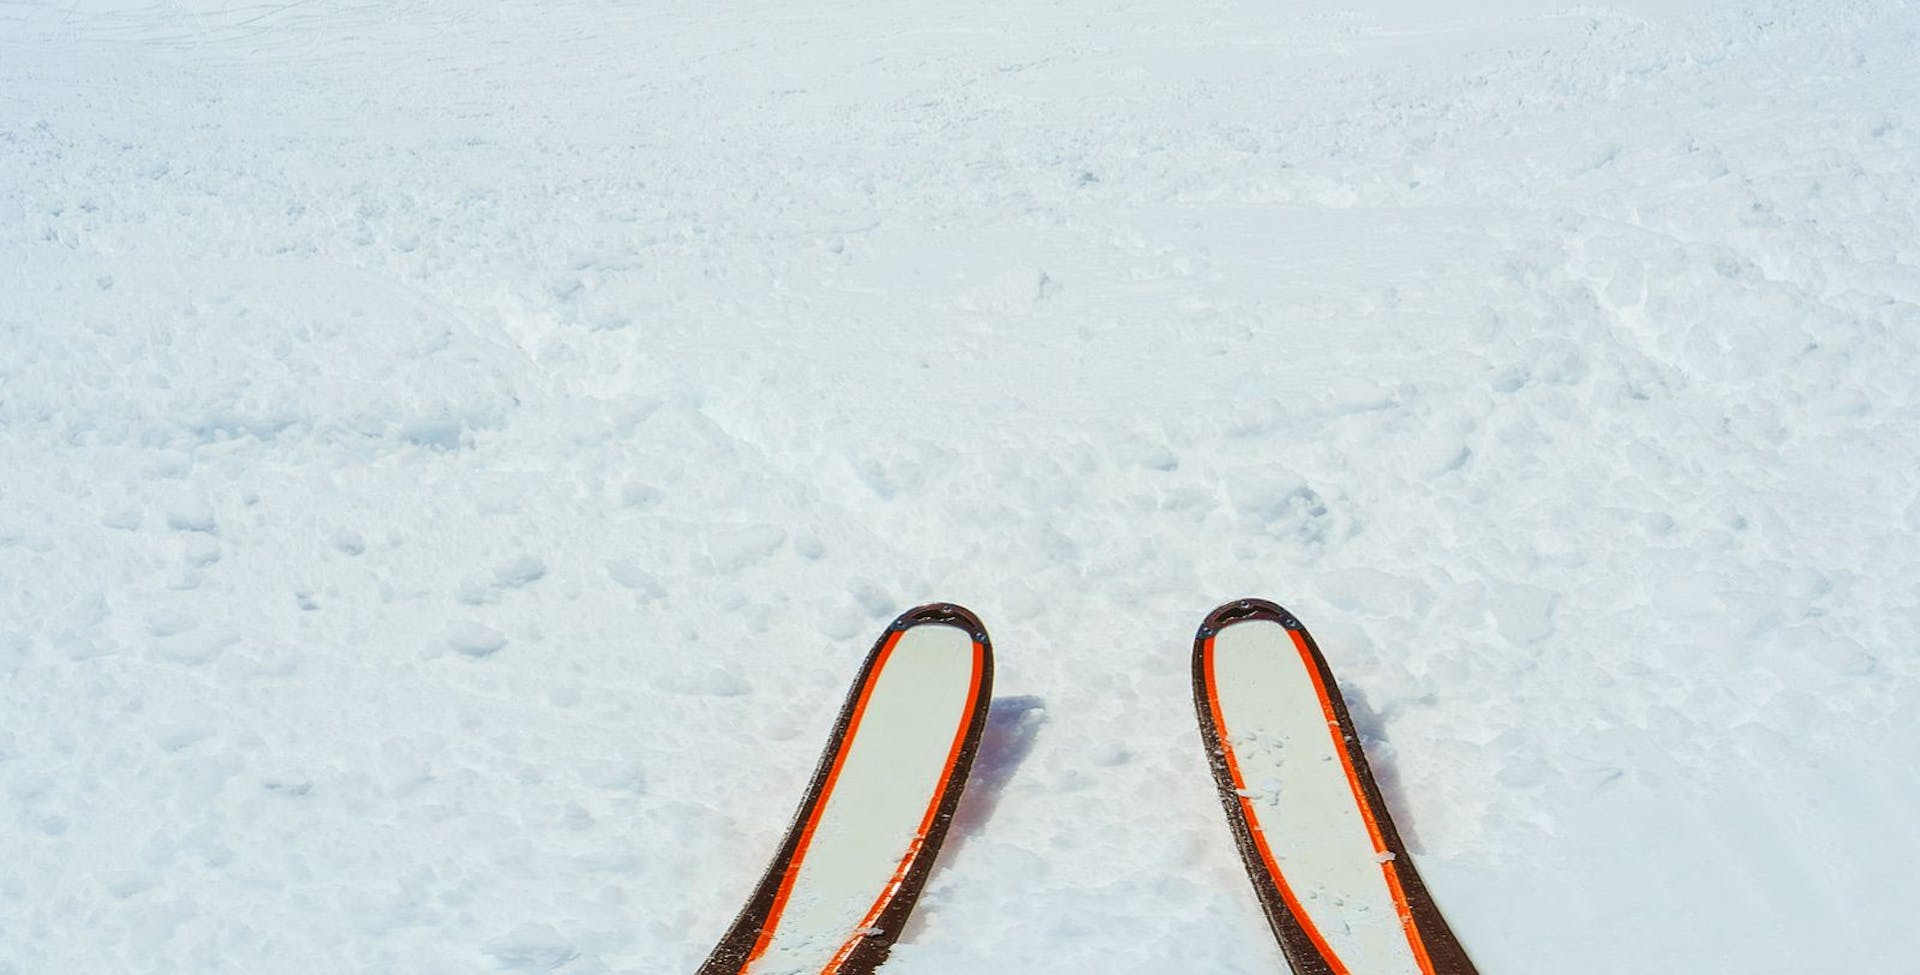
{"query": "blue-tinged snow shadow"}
pixel 1370 725
pixel 1013 724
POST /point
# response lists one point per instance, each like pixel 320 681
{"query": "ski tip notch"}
pixel 946 614
pixel 1245 610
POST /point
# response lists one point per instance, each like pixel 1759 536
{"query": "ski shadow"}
pixel 1013 724
pixel 1370 725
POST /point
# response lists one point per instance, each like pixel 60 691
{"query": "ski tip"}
pixel 1245 610
pixel 942 614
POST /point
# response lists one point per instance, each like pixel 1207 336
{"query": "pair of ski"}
pixel 1330 871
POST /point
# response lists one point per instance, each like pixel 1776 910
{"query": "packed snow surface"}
pixel 454 456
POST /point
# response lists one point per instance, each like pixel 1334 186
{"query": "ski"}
pixel 1331 872
pixel 864 839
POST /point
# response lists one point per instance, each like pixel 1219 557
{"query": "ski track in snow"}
pixel 454 456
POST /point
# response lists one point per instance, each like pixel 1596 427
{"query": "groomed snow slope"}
pixel 454 455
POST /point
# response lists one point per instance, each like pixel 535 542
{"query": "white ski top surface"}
pixel 872 817
pixel 1303 802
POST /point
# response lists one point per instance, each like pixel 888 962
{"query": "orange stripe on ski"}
pixel 1253 821
pixel 813 816
pixel 1388 859
pixel 926 821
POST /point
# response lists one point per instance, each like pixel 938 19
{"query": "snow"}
pixel 453 457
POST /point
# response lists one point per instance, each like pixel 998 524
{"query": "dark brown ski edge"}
pixel 1449 957
pixel 731 954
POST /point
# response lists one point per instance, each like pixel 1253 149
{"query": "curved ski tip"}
pixel 1244 610
pixel 943 614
